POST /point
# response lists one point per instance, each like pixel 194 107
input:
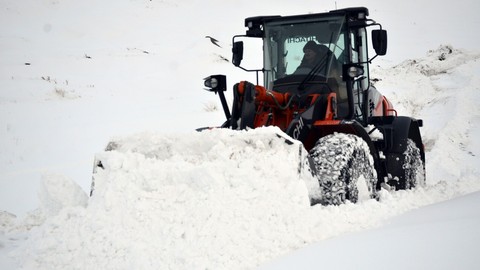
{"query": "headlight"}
pixel 211 82
pixel 355 71
pixel 215 83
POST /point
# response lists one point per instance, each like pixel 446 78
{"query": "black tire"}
pixel 340 160
pixel 413 167
pixel 407 168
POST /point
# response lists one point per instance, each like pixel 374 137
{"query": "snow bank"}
pixel 217 199
pixel 439 236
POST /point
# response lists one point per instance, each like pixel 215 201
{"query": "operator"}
pixel 315 54
pixel 311 58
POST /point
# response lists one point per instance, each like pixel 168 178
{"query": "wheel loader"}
pixel 357 143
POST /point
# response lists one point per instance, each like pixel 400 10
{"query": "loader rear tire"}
pixel 407 168
pixel 413 166
pixel 344 169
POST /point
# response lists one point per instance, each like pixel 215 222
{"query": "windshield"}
pixel 304 50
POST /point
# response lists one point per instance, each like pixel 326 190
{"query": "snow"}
pixel 58 192
pixel 220 210
pixel 77 75
pixel 439 236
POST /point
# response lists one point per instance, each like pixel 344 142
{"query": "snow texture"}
pixel 72 77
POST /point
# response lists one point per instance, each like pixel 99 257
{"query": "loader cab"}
pixel 340 40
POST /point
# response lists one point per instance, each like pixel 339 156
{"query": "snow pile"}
pixel 58 192
pixel 217 199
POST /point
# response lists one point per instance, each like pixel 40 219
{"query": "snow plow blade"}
pixel 244 164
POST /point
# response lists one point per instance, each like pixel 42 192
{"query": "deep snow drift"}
pixel 218 199
pixel 214 200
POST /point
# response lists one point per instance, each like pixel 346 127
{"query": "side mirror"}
pixel 379 41
pixel 237 51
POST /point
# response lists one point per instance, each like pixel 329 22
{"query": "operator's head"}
pixel 311 45
pixel 311 50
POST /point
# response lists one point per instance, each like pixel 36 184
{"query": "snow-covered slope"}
pixel 75 74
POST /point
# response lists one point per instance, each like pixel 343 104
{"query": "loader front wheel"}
pixel 344 169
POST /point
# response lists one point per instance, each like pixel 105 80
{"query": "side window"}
pixel 359 55
pixel 354 49
pixel 338 49
pixel 270 63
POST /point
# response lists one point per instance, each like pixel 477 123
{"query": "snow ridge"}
pixel 183 202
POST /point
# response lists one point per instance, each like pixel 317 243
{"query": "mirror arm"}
pixel 371 59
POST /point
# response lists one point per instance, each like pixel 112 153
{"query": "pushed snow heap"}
pixel 196 163
pixel 217 199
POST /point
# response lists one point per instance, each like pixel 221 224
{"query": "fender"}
pixel 397 133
